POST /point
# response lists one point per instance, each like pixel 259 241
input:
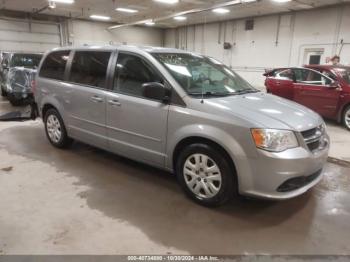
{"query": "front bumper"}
pixel 283 175
pixel 20 95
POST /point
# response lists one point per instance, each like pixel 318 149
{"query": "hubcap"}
pixel 54 128
pixel 202 175
pixel 347 118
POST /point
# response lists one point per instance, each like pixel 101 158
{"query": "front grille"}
pixel 298 182
pixel 314 138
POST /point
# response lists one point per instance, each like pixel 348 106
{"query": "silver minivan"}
pixel 185 113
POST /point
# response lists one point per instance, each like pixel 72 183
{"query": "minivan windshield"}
pixel 199 75
pixel 25 60
pixel 345 74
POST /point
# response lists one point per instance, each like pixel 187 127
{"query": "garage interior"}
pixel 86 201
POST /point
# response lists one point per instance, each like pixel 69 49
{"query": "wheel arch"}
pixel 342 111
pixel 198 139
pixel 46 108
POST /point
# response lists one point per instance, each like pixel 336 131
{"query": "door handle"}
pixel 97 99
pixel 114 103
pixel 278 83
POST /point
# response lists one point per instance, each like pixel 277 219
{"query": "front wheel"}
pixel 55 129
pixel 346 118
pixel 205 174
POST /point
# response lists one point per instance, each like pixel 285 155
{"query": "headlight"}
pixel 274 140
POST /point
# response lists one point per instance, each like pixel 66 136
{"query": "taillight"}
pixel 33 86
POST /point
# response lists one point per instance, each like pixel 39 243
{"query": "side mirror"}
pixel 334 85
pixel 156 91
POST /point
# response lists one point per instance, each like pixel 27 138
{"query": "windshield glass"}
pixel 344 73
pixel 25 60
pixel 200 75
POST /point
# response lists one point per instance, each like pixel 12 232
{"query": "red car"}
pixel 323 88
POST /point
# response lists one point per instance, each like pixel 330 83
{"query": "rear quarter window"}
pixel 54 65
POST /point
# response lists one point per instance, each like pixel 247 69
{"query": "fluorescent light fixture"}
pixel 126 10
pixel 100 17
pixel 150 23
pixel 170 2
pixel 221 10
pixel 180 18
pixel 282 1
pixel 63 1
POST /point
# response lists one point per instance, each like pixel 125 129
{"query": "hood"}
pixel 264 110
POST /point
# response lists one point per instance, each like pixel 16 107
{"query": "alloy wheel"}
pixel 347 118
pixel 54 128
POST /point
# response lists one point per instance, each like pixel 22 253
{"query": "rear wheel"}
pixel 55 129
pixel 346 117
pixel 3 92
pixel 205 174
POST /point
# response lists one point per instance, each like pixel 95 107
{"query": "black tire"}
pixel 64 141
pixel 3 92
pixel 228 187
pixel 15 102
pixel 344 117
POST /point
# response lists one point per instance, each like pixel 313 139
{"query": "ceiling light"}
pixel 126 10
pixel 221 10
pixel 52 5
pixel 180 18
pixel 281 1
pixel 63 1
pixel 171 2
pixel 100 17
pixel 150 23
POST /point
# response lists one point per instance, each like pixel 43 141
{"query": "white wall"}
pixel 22 35
pixel 253 51
pixel 26 36
pixel 86 32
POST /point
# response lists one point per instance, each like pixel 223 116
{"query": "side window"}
pixel 55 65
pixel 90 68
pixel 131 73
pixel 285 74
pixel 311 77
pixel 329 74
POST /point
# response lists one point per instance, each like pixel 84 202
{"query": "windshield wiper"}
pixel 246 91
pixel 210 94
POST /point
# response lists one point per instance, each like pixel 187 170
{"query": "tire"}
pixel 55 130
pixel 15 102
pixel 346 117
pixel 3 92
pixel 195 180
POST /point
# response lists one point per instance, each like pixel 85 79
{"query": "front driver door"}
pixel 136 126
pixel 314 90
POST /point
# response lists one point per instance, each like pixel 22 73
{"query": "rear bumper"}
pixel 279 176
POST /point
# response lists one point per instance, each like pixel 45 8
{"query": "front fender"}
pixel 235 150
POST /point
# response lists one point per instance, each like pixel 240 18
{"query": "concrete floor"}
pixel 87 201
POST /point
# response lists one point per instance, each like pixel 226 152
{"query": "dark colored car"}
pixel 323 88
pixel 20 84
pixel 12 60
